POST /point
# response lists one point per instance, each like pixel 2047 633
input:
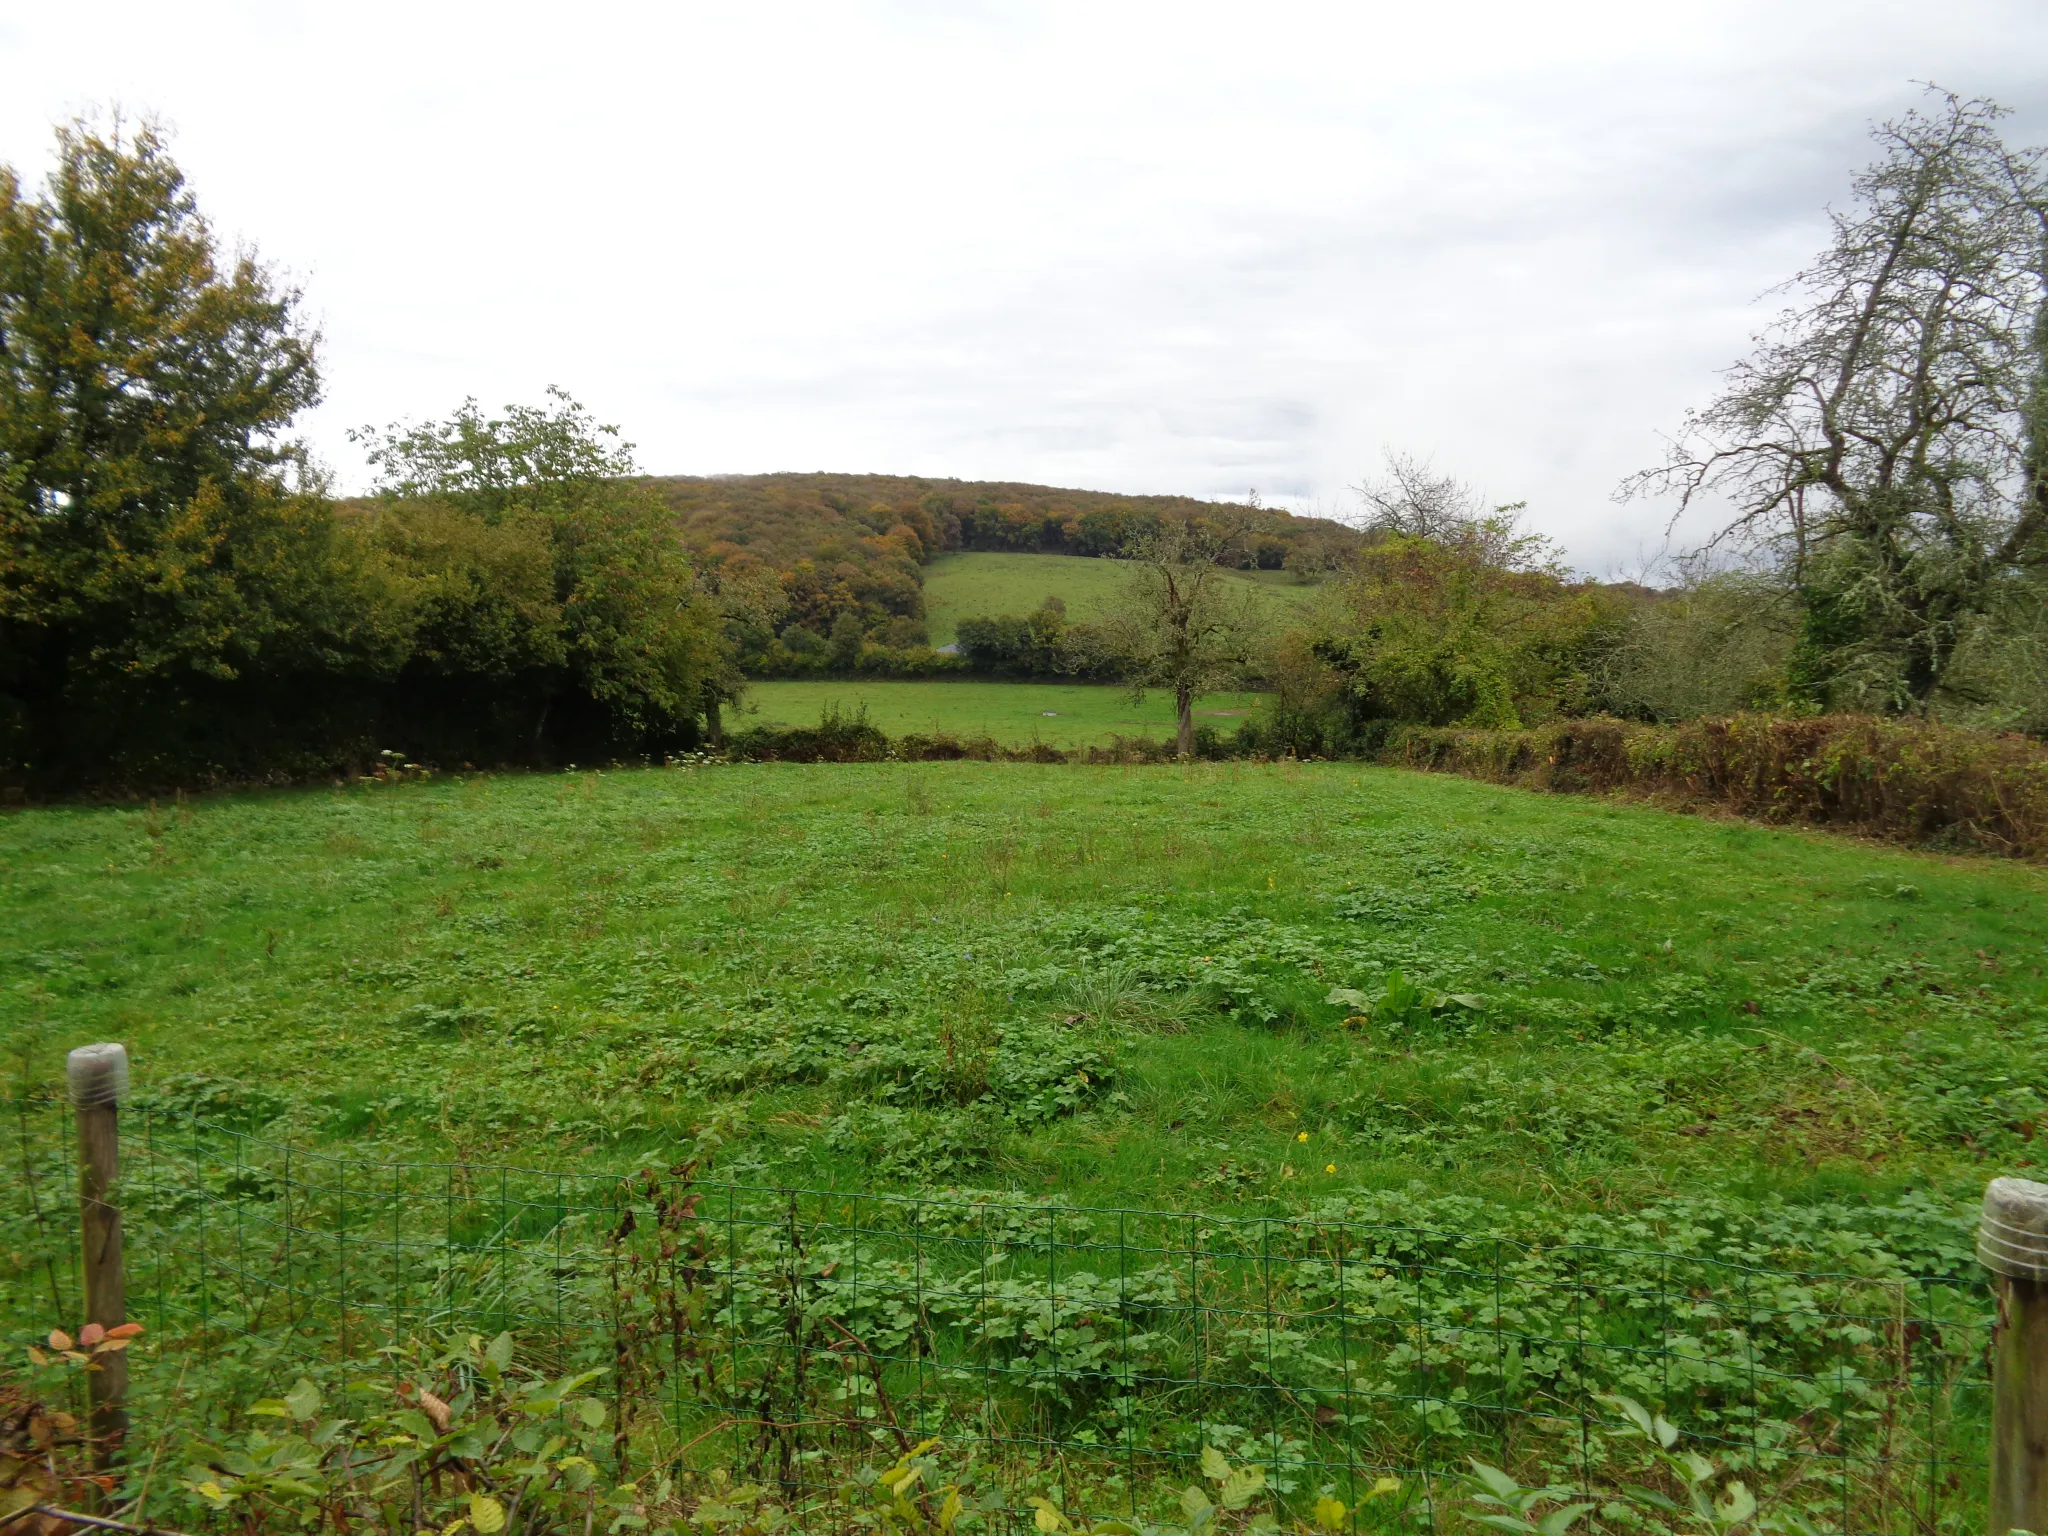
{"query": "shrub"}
pixel 836 738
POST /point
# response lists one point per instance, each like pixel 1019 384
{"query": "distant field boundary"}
pixel 1907 782
pixel 1904 781
pixel 850 739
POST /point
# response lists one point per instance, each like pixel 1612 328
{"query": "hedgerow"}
pixel 1902 780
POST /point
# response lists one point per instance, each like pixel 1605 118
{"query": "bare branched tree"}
pixel 1412 500
pixel 1888 439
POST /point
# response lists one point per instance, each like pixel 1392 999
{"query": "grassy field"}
pixel 1591 1073
pixel 1127 985
pixel 968 586
pixel 1062 714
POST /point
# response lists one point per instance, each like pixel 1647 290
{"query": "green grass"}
pixel 971 586
pixel 1703 1052
pixel 1062 714
pixel 1110 983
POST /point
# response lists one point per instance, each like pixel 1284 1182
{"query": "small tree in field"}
pixel 1181 622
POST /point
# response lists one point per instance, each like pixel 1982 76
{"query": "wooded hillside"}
pixel 863 536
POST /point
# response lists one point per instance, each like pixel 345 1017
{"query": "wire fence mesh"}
pixel 780 1331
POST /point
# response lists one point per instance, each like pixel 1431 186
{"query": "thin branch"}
pixel 97 1522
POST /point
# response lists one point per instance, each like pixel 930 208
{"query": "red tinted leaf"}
pixel 90 1335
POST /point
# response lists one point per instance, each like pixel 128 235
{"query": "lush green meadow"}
pixel 967 586
pixel 1204 986
pixel 1064 715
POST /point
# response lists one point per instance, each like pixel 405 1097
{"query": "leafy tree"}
pixel 643 650
pixel 997 645
pixel 1441 632
pixel 1037 644
pixel 551 458
pixel 749 600
pixel 1412 499
pixel 479 595
pixel 1181 623
pixel 800 640
pixel 844 643
pixel 1888 439
pixel 160 535
pixel 1451 614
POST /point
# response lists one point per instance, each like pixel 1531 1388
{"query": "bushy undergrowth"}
pixel 850 738
pixel 467 1436
pixel 1908 781
pixel 682 1340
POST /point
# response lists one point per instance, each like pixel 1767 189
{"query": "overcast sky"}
pixel 1173 247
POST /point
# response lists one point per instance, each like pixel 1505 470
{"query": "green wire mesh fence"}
pixel 778 1331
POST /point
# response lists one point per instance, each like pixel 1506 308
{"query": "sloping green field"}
pixel 1063 715
pixel 553 968
pixel 969 586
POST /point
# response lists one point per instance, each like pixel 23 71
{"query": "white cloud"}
pixel 1175 247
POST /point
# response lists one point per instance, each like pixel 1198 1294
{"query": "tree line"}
pixel 183 599
pixel 180 598
pixel 1878 469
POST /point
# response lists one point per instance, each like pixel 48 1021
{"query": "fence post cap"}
pixel 2012 1238
pixel 97 1074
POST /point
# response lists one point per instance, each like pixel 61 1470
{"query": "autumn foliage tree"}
pixel 179 599
pixel 160 535
pixel 1462 630
pixel 600 626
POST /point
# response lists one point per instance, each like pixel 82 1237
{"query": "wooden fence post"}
pixel 2012 1242
pixel 98 1078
